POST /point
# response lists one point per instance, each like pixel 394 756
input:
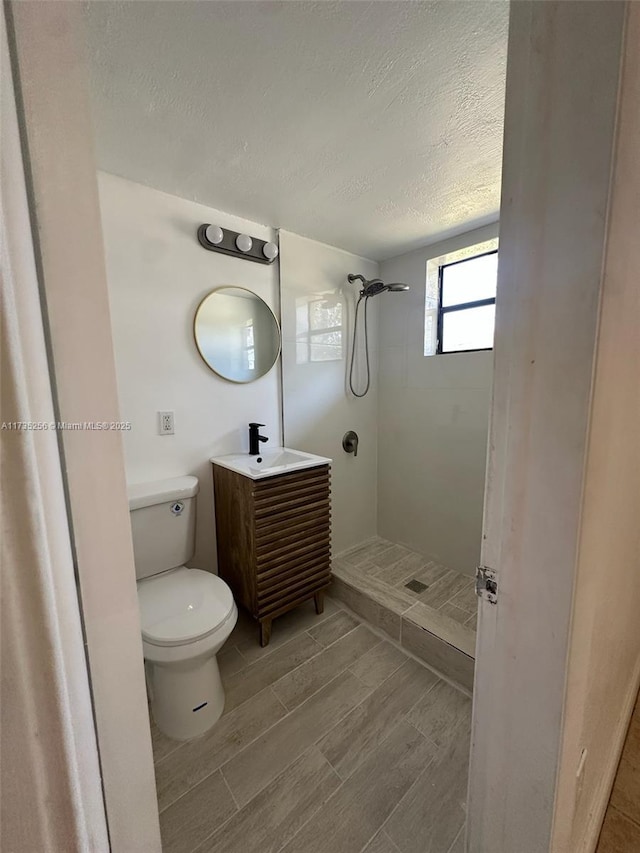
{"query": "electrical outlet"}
pixel 165 423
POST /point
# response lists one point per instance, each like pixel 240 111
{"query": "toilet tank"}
pixel 163 524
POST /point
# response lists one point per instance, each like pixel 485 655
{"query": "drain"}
pixel 416 586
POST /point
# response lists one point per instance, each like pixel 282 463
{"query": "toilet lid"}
pixel 182 605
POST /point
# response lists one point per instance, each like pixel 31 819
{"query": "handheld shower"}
pixel 370 287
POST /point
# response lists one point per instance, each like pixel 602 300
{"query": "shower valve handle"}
pixel 350 442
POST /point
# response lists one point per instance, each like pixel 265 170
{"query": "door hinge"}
pixel 487 584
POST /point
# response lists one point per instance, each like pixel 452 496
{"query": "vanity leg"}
pixel 265 632
pixel 319 601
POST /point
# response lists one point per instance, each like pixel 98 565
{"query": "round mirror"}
pixel 237 334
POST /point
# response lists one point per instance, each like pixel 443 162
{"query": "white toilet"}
pixel 186 614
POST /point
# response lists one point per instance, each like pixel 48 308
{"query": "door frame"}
pixel 563 87
pixel 45 45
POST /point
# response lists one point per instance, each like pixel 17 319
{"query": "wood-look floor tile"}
pixel 401 570
pixel 443 626
pixel 194 760
pixel 442 656
pixel 252 679
pixel 194 817
pixel 429 574
pixel 458 844
pixel 297 686
pixel 229 661
pixel 161 744
pixel 378 664
pixel 467 598
pixel 472 622
pixel 355 737
pixel 381 843
pixel 454 612
pixel 364 553
pixel 389 556
pixel 352 816
pixel 441 713
pixel 619 834
pixel 285 628
pixel 444 589
pixel 430 817
pixel 279 811
pixel 264 759
pixel 395 599
pixel 625 796
pixel 332 629
pixel 355 599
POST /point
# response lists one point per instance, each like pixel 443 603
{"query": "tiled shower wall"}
pixel 315 295
pixel 433 423
pixel 419 476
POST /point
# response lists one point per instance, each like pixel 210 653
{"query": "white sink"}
pixel 277 460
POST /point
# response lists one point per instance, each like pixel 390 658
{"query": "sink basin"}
pixel 277 460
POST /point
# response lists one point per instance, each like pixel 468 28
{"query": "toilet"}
pixel 186 614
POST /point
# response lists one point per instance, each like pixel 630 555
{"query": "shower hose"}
pixel 366 348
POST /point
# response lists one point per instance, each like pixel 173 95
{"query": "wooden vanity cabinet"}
pixel 274 540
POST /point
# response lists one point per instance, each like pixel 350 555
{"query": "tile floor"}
pixel 621 828
pixel 423 605
pixel 333 739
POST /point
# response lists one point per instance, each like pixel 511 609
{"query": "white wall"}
pixel 157 275
pixel 318 409
pixel 433 423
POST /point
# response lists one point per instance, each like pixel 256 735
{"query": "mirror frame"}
pixel 275 320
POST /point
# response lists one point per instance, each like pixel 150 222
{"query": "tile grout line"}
pixel 286 714
pixel 311 695
pixel 297 636
pixel 405 650
pixel 266 731
pixel 235 802
pixel 321 618
pixel 240 808
pixel 409 789
pixel 316 742
pixel 460 832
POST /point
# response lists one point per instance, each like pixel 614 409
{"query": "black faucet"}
pixel 255 438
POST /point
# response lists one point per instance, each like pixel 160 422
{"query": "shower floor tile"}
pixel 330 750
pixel 427 607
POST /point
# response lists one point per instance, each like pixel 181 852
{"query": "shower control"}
pixel 350 442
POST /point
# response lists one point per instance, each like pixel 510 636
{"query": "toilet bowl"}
pixel 186 615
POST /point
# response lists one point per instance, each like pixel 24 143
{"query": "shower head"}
pixel 374 286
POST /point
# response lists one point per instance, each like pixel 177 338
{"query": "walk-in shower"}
pixel 370 287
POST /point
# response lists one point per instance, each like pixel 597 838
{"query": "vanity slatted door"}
pixel 274 539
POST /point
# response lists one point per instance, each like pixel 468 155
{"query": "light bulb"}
pixel 214 234
pixel 244 242
pixel 270 251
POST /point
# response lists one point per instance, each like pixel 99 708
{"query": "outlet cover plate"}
pixel 165 423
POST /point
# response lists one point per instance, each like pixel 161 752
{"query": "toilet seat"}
pixel 183 606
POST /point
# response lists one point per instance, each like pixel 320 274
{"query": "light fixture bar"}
pixel 233 243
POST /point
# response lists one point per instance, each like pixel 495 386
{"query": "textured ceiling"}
pixel 373 126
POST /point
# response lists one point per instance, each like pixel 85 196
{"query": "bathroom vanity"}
pixel 273 525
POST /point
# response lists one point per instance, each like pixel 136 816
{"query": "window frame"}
pixel 461 306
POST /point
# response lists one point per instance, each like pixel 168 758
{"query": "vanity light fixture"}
pixel 244 243
pixel 270 251
pixel 213 238
pixel 214 234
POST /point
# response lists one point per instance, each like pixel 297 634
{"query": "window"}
pixel 467 303
pixel 319 328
